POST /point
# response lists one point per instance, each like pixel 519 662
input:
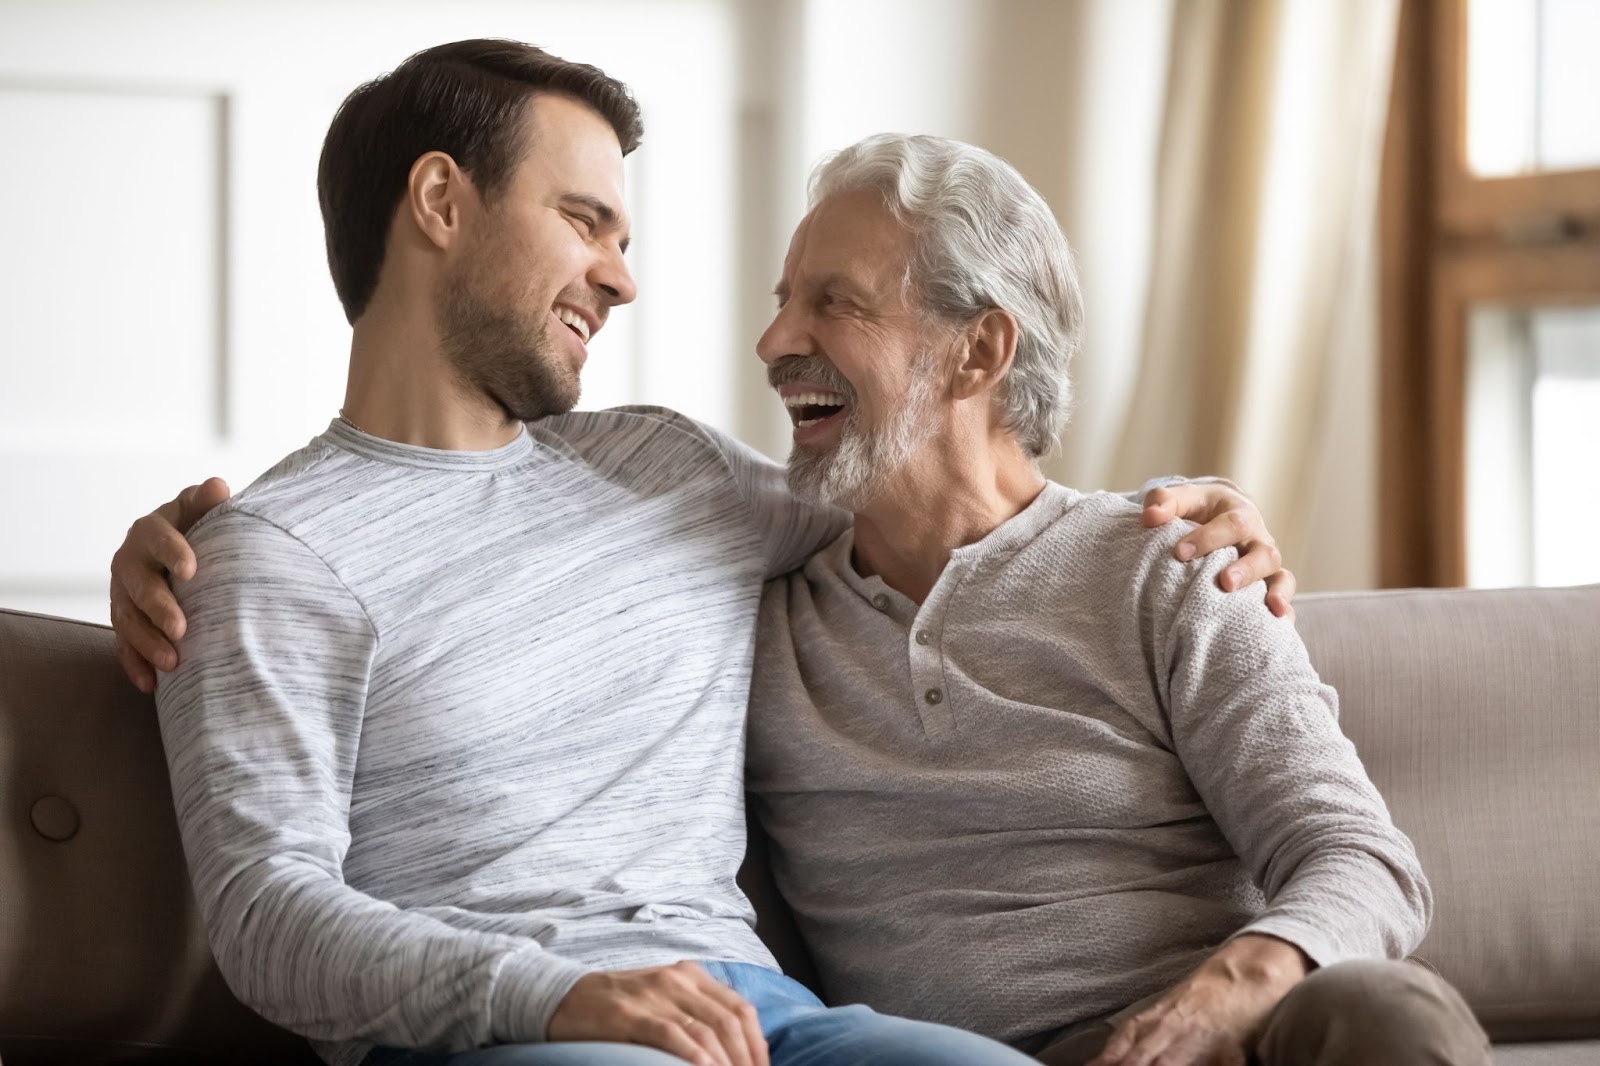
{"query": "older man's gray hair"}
pixel 983 239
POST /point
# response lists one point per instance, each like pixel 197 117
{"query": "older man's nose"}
pixel 782 338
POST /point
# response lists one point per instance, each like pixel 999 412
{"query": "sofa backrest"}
pixel 1477 714
pixel 102 957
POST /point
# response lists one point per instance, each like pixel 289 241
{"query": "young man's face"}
pixel 543 267
pixel 848 334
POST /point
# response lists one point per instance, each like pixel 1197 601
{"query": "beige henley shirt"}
pixel 1058 784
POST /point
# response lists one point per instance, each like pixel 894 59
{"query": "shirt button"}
pixel 933 696
pixel 923 637
pixel 881 602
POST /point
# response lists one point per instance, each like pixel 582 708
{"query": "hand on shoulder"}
pixel 144 612
pixel 1224 518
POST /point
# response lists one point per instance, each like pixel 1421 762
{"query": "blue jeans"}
pixel 800 1031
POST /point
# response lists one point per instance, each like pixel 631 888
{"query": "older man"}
pixel 1024 771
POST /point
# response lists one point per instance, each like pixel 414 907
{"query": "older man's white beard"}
pixel 864 462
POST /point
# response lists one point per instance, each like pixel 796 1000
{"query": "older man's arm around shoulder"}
pixel 1258 735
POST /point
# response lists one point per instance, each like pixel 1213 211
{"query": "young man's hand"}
pixel 1227 518
pixel 678 1009
pixel 144 612
pixel 1214 1015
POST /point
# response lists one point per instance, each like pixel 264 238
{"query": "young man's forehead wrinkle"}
pixel 604 212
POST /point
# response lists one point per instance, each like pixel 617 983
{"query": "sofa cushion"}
pixel 1477 714
pixel 1559 1053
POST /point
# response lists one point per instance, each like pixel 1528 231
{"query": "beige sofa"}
pixel 1478 714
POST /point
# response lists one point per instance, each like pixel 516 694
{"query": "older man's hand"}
pixel 1213 1017
pixel 1227 518
pixel 144 612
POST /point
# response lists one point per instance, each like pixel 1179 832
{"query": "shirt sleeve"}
pixel 261 723
pixel 1137 496
pixel 1258 734
pixel 792 530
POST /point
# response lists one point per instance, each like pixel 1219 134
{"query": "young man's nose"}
pixel 613 278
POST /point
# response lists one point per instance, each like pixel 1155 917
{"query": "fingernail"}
pixel 1185 551
pixel 1230 579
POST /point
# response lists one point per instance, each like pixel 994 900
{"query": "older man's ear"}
pixel 988 345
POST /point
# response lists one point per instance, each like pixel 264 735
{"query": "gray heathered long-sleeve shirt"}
pixel 1062 781
pixel 452 729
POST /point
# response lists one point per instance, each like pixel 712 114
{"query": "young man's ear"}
pixel 988 346
pixel 435 192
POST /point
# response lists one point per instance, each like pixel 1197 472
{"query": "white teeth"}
pixel 814 399
pixel 804 422
pixel 575 320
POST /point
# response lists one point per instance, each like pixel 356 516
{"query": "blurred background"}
pixel 1345 252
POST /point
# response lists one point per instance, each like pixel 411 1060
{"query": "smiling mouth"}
pixel 573 321
pixel 811 408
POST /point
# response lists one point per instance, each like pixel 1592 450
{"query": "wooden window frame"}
pixel 1450 240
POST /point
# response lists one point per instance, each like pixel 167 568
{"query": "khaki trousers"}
pixel 1367 1012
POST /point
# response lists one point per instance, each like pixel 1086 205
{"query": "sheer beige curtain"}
pixel 1257 354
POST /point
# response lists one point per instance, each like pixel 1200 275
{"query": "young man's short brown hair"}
pixel 465 99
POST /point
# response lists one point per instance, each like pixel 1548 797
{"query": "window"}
pixel 1491 293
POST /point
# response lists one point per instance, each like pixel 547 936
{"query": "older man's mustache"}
pixel 811 369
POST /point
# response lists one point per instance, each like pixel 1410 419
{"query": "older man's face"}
pixel 848 353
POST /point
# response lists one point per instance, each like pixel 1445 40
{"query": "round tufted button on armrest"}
pixel 55 818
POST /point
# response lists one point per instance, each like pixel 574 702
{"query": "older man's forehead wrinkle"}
pixel 836 283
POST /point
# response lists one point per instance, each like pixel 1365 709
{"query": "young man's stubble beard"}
pixel 499 349
pixel 865 459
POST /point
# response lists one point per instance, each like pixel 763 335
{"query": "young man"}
pixel 455 734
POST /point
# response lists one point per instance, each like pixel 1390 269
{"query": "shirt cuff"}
pixel 529 986
pixel 1319 948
